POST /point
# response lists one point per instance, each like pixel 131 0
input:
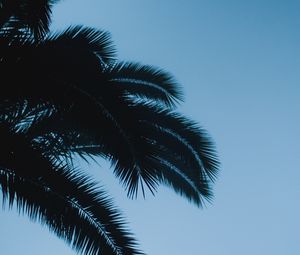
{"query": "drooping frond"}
pixel 65 200
pixel 92 227
pixel 192 141
pixel 166 142
pixel 175 177
pixel 145 82
pixel 147 141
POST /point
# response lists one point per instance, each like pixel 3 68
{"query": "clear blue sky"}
pixel 239 64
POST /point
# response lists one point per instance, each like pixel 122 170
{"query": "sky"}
pixel 238 63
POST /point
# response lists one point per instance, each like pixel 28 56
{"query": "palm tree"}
pixel 68 95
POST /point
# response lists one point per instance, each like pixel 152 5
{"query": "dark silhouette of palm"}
pixel 69 95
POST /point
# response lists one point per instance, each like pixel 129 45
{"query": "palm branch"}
pixel 32 15
pixel 51 192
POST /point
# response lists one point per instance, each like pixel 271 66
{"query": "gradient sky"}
pixel 238 63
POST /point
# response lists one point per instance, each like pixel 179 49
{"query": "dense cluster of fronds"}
pixel 68 94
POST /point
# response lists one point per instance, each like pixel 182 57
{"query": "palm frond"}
pixel 79 212
pixel 174 176
pixel 145 82
pixel 151 140
pixel 90 227
pixel 79 39
pixel 62 60
pixel 193 142
pixel 34 15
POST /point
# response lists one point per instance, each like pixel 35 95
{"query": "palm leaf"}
pixel 153 141
pixel 34 15
pixel 79 39
pixel 65 200
pixel 145 82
